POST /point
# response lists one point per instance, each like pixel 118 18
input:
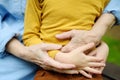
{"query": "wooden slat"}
pixel 112 72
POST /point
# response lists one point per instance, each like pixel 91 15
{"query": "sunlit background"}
pixel 112 38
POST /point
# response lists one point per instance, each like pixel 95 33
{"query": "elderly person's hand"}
pixel 78 38
pixel 41 58
pixel 81 37
pixel 36 54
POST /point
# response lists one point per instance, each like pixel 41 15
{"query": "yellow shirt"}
pixel 46 18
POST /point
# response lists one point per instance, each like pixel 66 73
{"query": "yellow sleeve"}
pixel 31 34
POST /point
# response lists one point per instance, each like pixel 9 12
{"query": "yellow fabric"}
pixel 53 53
pixel 46 18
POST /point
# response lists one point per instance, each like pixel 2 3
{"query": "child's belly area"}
pixel 50 38
pixel 48 35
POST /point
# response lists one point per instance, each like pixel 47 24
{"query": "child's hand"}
pixel 101 52
pixel 78 57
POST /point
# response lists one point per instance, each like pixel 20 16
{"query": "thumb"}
pixel 64 35
pixel 50 47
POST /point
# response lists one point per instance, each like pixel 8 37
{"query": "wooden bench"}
pixel 111 72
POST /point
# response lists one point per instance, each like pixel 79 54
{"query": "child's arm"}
pixel 32 23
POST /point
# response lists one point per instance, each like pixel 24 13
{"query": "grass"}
pixel 114 52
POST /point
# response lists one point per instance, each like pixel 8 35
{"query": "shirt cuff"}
pixel 6 34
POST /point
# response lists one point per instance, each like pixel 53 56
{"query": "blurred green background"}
pixel 112 38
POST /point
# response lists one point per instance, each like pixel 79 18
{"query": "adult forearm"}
pixel 15 47
pixel 94 35
pixel 103 23
pixel 37 54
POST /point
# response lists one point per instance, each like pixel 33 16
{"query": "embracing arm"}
pixel 6 32
pixel 94 35
pixel 103 23
pixel 37 54
pixel 9 43
pixel 110 16
pixel 16 48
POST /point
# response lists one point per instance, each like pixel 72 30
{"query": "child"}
pixel 46 18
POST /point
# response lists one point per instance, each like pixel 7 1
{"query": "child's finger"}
pixel 100 69
pixel 51 62
pixel 92 70
pixel 94 59
pixel 96 64
pixel 85 74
